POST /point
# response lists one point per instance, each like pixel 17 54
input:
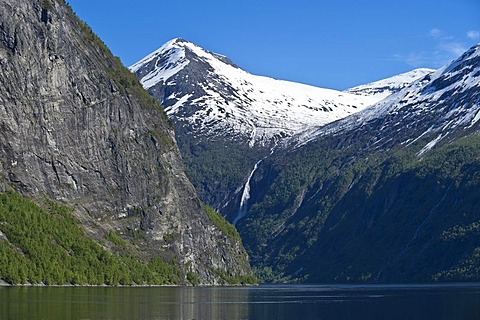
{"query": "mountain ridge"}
pixel 433 90
pixel 386 87
pixel 260 109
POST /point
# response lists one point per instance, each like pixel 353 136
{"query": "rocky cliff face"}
pixel 77 127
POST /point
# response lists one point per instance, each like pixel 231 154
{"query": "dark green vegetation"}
pixel 390 216
pixel 228 230
pixel 228 279
pixel 46 244
pixel 223 225
pixel 79 129
pixel 217 167
pixel 46 4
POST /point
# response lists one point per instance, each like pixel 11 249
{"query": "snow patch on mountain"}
pixel 218 98
pixel 437 104
pixel 169 60
pixel 386 87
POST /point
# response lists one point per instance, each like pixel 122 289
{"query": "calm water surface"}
pixel 454 301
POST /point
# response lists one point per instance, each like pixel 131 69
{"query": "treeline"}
pixel 223 225
pixel 46 245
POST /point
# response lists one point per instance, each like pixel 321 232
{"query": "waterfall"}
pixel 245 196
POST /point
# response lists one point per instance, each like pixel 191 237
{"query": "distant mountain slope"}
pixel 439 104
pixel 385 87
pixel 77 128
pixel 389 194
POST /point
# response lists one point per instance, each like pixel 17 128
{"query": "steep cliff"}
pixel 78 128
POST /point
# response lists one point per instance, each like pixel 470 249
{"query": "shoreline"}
pixel 347 286
pixel 6 284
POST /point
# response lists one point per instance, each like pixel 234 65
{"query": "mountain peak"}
pixel 439 104
pixel 171 58
pixel 210 93
pixel 470 54
pixel 162 63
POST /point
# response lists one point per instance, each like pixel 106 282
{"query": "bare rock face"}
pixel 77 127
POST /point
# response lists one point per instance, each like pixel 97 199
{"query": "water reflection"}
pixel 263 302
pixel 210 303
pixel 123 303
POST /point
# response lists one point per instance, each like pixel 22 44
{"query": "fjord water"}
pixel 453 301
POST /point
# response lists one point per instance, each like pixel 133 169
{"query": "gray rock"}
pixel 77 127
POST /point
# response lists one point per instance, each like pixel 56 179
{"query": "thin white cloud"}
pixel 435 32
pixel 422 59
pixel 473 34
pixel 416 59
pixel 445 49
pixel 438 34
pixel 454 48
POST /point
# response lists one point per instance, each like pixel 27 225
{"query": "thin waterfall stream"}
pixel 242 210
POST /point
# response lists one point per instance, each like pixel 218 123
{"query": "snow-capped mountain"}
pixel 390 177
pixel 437 105
pixel 208 93
pixel 397 180
pixel 383 88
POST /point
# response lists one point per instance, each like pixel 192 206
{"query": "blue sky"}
pixel 333 44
